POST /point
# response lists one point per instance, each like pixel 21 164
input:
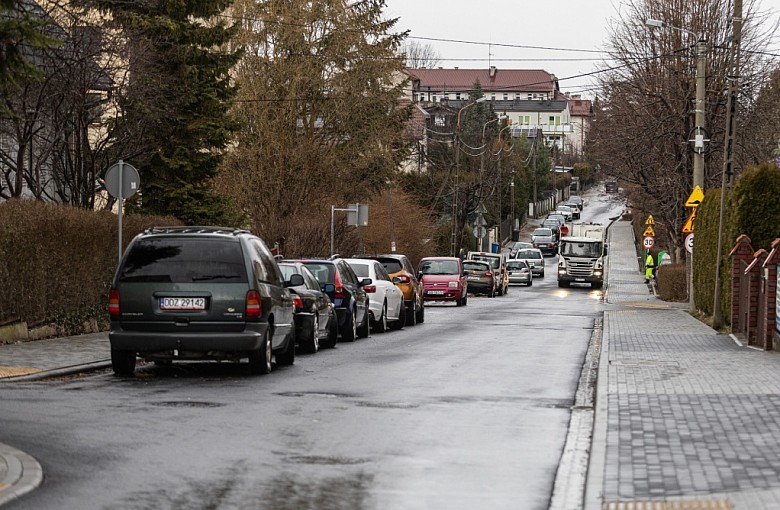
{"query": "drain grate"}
pixel 688 504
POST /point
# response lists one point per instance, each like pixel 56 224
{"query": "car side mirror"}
pixel 365 281
pixel 294 281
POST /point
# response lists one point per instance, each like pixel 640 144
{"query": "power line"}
pixel 523 46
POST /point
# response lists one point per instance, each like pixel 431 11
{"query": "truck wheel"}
pixel 564 285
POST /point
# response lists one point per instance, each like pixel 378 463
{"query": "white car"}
pixel 534 258
pixel 385 299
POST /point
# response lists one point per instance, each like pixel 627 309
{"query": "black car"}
pixel 347 295
pixel 316 323
pixel 200 293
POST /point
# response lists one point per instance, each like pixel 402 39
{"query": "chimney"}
pixel 492 71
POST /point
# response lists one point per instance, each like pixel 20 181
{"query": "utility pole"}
pixel 728 149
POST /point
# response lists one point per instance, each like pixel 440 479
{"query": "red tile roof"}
pixel 580 107
pixel 530 80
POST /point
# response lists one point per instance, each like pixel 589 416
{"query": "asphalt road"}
pixel 467 410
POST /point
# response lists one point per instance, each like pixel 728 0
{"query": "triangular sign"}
pixel 650 220
pixel 688 227
pixel 697 195
pixel 649 232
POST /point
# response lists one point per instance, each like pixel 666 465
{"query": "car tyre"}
pixel 123 362
pixel 401 322
pixel 260 360
pixel 333 331
pixel 530 282
pixel 287 356
pixel 364 329
pixel 465 299
pixel 349 329
pixel 312 344
pixel 420 314
pixel 380 326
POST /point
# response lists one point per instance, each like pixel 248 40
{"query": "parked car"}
pixel 443 279
pixel 498 263
pixel 534 258
pixel 566 211
pixel 316 324
pixel 200 293
pixel 482 279
pixel 519 245
pixel 400 266
pixel 575 209
pixel 348 296
pixel 544 239
pixel 386 300
pixel 553 224
pixel 576 199
pixel 519 272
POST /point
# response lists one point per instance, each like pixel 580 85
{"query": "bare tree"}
pixel 645 115
pixel 419 56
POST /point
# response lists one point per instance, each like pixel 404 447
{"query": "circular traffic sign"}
pixel 130 180
pixel 648 242
pixel 689 242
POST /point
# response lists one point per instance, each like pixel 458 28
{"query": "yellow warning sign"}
pixel 697 195
pixel 649 231
pixel 650 220
pixel 688 227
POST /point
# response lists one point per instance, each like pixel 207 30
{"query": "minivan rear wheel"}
pixel 260 360
pixel 122 362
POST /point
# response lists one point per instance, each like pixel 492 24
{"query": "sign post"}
pixel 122 181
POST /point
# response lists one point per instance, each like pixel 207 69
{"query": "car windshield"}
pixel 493 261
pixel 529 254
pixel 581 249
pixel 439 267
pixel 182 260
pixel 473 265
pixel 323 272
pixel 543 232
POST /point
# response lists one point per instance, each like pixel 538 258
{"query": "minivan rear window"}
pixel 182 260
pixel 391 265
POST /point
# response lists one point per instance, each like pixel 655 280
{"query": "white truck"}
pixel 581 255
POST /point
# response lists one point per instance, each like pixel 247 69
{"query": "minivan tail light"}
pixel 253 305
pixel 113 303
pixel 297 301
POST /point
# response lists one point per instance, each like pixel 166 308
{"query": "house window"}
pixel 439 121
pixel 457 96
pixel 530 97
pixel 506 96
pixel 492 96
pixel 433 98
pixel 525 119
pixel 551 120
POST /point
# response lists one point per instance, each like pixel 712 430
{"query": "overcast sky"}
pixel 509 24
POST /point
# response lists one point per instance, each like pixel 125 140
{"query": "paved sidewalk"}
pixel 683 413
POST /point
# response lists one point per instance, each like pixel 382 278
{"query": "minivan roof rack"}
pixel 195 229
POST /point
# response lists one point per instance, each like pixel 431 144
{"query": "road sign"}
pixel 130 180
pixel 697 195
pixel 650 220
pixel 689 242
pixel 481 209
pixel 480 221
pixel 479 232
pixel 648 242
pixel 688 227
pixel 649 231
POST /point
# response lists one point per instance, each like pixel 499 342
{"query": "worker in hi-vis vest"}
pixel 649 268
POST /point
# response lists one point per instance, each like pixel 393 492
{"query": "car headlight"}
pixel 562 271
pixel 597 272
pixel 453 285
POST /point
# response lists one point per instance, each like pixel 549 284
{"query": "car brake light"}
pixel 489 274
pixel 297 301
pixel 404 279
pixel 338 292
pixel 113 303
pixel 369 288
pixel 253 305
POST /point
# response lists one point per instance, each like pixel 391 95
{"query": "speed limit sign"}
pixel 648 242
pixel 689 242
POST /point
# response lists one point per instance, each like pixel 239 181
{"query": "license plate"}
pixel 182 303
pixel 473 277
pixel 579 279
pixel 436 292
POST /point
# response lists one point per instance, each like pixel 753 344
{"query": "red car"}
pixel 443 279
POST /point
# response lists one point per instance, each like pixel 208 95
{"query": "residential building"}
pixel 581 111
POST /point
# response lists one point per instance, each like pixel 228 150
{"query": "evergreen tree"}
pixel 176 105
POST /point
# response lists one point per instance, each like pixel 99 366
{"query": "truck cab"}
pixel 581 256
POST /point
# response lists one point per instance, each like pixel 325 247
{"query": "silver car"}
pixel 519 272
pixel 534 258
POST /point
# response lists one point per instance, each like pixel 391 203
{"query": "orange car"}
pixel 402 272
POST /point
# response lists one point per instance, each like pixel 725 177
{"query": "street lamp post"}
pixel 453 247
pixel 699 120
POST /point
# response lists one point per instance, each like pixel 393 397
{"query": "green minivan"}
pixel 200 293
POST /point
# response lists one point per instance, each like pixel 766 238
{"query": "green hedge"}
pixel 751 208
pixel 57 262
